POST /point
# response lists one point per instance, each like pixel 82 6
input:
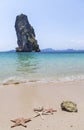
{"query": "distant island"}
pixel 46 50
pixel 65 50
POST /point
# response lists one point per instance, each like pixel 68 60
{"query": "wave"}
pixel 20 80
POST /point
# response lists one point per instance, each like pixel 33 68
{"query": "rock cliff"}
pixel 25 35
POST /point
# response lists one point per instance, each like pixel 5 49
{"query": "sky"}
pixel 58 24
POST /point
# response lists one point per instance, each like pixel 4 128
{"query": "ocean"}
pixel 42 67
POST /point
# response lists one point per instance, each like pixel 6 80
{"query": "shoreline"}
pixel 18 100
pixel 16 81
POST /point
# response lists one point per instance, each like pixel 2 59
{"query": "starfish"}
pixel 39 109
pixel 20 121
pixel 50 110
pixel 40 113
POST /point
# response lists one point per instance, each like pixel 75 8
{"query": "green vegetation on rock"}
pixel 25 35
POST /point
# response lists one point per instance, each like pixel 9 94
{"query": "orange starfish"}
pixel 20 121
pixel 41 111
pixel 50 110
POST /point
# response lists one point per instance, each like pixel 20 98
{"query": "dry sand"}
pixel 18 100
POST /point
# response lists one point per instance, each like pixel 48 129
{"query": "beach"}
pixel 42 65
pixel 19 99
pixel 32 80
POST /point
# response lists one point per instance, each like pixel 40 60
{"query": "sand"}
pixel 18 100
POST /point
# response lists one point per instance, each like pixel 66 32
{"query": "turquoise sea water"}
pixel 53 67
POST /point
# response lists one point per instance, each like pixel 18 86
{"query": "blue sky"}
pixel 58 24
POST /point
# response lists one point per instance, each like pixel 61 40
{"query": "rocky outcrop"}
pixel 25 35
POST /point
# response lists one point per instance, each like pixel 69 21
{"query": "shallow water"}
pixel 44 67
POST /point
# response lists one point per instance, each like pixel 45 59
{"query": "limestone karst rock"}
pixel 25 35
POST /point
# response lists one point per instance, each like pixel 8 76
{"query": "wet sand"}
pixel 18 100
